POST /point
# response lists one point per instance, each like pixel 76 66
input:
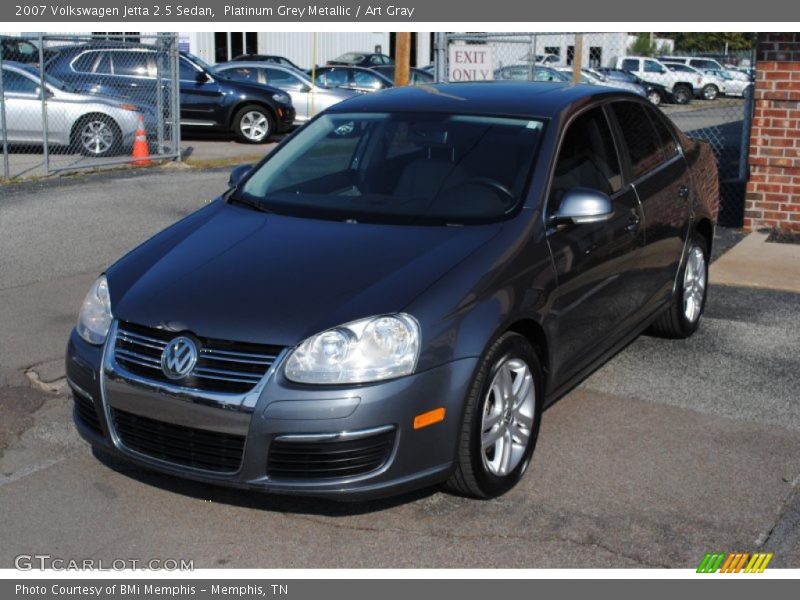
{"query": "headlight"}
pixel 359 352
pixel 95 317
pixel 282 98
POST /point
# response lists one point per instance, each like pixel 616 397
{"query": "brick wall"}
pixel 773 190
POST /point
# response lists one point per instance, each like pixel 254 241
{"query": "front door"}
pixel 593 261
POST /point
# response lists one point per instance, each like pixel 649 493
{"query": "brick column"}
pixel 773 190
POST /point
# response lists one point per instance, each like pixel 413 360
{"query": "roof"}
pixel 521 98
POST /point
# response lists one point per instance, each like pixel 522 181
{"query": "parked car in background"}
pixel 361 59
pixel 734 86
pixel 529 72
pixel 656 93
pixel 90 124
pixel 308 99
pixel 392 297
pixel 360 79
pixel 431 68
pixel 709 86
pixel 680 86
pixel 252 112
pixel 19 50
pixel 593 77
pixel 268 58
pixel 415 76
pixel 698 62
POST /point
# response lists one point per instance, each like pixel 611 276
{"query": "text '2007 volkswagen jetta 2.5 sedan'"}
pixel 391 298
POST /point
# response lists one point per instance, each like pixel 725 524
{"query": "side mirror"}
pixel 237 174
pixel 201 77
pixel 583 205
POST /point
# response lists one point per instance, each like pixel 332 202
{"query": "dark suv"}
pixel 208 102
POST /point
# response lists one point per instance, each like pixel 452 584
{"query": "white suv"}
pixel 710 86
pixel 649 69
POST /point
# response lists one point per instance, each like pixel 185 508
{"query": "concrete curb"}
pixel 756 263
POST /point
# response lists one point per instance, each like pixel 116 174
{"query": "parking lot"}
pixel 672 450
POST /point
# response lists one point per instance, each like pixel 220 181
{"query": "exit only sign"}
pixel 468 62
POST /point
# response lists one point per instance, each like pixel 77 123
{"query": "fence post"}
pixel 577 58
pixel 3 121
pixel 441 41
pixel 747 123
pixel 162 45
pixel 43 92
pixel 175 95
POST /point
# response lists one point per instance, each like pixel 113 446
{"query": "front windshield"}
pixel 400 168
pixel 49 79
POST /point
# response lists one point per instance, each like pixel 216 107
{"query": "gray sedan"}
pixel 308 99
pixel 93 125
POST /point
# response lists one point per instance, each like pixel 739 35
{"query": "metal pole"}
pixel 43 92
pixel 161 54
pixel 441 42
pixel 175 95
pixel 313 71
pixel 3 121
pixel 747 123
pixel 402 52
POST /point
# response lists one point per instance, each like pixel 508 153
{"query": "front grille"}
pixel 296 459
pixel 222 366
pixel 208 450
pixel 86 411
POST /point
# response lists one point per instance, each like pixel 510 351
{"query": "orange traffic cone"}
pixel 141 151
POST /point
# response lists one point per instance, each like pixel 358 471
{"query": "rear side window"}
pixel 640 137
pixel 669 147
pixel 85 62
pixel 365 79
pixel 333 78
pixel 587 158
pixel 282 79
pixel 630 64
pixel 132 64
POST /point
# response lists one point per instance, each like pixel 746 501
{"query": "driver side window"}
pixel 587 158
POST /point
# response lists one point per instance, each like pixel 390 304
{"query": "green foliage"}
pixel 710 42
pixel 642 46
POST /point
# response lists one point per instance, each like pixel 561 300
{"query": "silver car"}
pixel 92 125
pixel 308 99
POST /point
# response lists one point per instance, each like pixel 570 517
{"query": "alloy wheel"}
pixel 508 417
pixel 254 126
pixel 97 137
pixel 694 284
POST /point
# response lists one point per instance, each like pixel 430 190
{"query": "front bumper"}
pixel 278 411
pixel 286 118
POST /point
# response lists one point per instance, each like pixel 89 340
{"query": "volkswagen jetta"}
pixel 391 298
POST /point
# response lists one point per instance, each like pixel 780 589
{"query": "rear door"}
pixel 593 261
pixel 661 178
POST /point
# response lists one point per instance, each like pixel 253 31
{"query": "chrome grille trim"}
pixel 219 368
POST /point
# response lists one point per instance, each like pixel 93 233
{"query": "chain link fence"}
pixel 708 96
pixel 82 101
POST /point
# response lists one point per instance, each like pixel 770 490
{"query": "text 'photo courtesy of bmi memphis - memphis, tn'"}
pixel 391 298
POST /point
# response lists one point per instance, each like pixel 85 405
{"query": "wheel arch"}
pixel 535 334
pixel 705 229
pixel 250 102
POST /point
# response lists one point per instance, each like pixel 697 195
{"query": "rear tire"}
pixel 654 97
pixel 501 420
pixel 682 318
pixel 682 94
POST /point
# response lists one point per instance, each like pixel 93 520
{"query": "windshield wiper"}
pixel 244 201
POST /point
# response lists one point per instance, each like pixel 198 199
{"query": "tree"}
pixel 711 42
pixel 642 45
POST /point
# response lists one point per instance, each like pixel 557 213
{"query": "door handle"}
pixel 683 192
pixel 633 223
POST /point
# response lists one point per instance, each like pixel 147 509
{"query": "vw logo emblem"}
pixel 179 357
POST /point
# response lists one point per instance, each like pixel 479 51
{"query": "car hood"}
pixel 229 272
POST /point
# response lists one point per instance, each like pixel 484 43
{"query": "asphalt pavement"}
pixel 671 450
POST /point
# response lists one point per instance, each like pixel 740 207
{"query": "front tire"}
pixel 710 92
pixel 253 124
pixel 501 420
pixel 682 318
pixel 98 136
pixel 654 97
